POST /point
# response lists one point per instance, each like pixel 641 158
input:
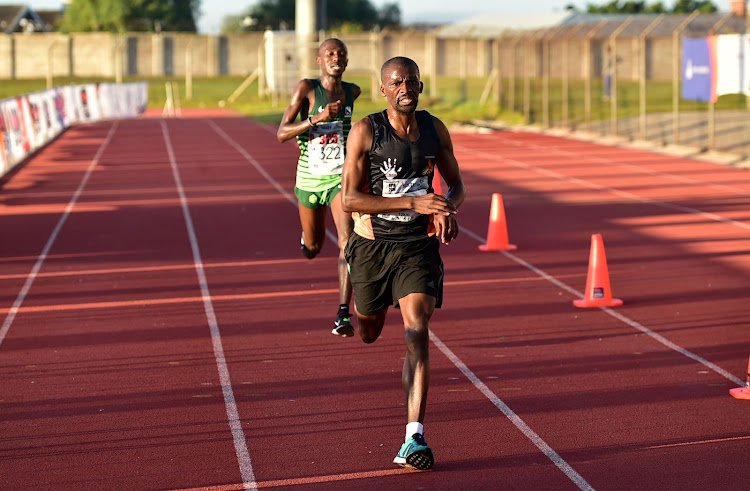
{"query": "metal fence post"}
pixel 612 44
pixel 512 72
pixel 566 75
pixel 587 81
pixel 545 74
pixel 643 74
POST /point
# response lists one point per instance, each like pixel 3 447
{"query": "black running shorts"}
pixel 382 272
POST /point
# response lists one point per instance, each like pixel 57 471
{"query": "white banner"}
pixel 730 60
pixel 30 121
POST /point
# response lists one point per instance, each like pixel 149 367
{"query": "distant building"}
pixel 492 26
pixel 51 18
pixel 20 18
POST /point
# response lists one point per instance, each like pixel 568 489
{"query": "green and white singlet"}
pixel 322 146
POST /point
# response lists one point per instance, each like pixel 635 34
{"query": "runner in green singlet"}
pixel 324 106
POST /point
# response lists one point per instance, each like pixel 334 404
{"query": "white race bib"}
pixel 394 188
pixel 325 152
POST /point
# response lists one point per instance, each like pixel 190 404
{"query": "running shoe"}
pixel 305 251
pixel 343 325
pixel 415 454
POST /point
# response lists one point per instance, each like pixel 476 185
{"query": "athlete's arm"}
pixel 300 103
pixel 355 176
pixel 446 226
pixel 356 91
pixel 448 165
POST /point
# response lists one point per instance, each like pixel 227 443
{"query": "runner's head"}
pixel 332 57
pixel 400 84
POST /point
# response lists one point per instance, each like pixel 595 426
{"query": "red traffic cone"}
pixel 598 292
pixel 497 233
pixel 743 392
pixel 437 183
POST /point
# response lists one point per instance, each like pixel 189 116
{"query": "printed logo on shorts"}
pixel 313 199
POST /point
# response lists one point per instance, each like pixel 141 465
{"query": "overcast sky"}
pixel 213 11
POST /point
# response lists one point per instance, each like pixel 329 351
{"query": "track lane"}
pixel 560 368
pixel 582 280
pixel 124 394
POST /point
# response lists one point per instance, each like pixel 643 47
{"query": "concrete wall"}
pixel 93 55
pixel 46 51
pixel 6 57
pixel 149 55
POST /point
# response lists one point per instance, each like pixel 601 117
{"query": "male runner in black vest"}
pixel 399 224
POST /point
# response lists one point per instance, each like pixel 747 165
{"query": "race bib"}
pixel 326 148
pixel 394 188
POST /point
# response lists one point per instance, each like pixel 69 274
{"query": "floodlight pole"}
pixel 305 20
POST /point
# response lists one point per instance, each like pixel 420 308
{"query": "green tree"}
pixel 687 6
pixel 279 14
pixel 640 7
pixel 94 15
pixel 130 15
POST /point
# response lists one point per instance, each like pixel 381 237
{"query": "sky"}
pixel 412 11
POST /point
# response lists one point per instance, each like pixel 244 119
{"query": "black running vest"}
pixel 400 168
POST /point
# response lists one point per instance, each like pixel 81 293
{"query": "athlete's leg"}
pixel 313 223
pixel 344 226
pixel 370 326
pixel 416 310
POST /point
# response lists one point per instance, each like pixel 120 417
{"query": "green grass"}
pixel 457 102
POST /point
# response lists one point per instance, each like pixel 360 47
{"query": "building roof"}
pixel 20 18
pixel 491 26
pixel 50 18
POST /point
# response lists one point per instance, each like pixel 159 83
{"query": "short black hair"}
pixel 400 61
pixel 334 40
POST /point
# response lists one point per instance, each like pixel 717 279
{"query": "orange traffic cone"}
pixel 743 392
pixel 437 183
pixel 497 233
pixel 598 292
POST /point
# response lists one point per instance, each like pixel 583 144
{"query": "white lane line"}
pixel 626 320
pixel 53 236
pixel 233 416
pixel 644 170
pixel 289 196
pixel 598 187
pixel 661 339
pixel 515 419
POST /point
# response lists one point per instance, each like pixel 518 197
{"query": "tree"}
pixel 94 15
pixel 640 7
pixel 687 6
pixel 279 14
pixel 131 15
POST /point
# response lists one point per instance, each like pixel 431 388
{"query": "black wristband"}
pixel 309 120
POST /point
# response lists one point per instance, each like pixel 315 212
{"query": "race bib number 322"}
pixel 326 148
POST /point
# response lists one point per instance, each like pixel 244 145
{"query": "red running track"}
pixel 160 329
